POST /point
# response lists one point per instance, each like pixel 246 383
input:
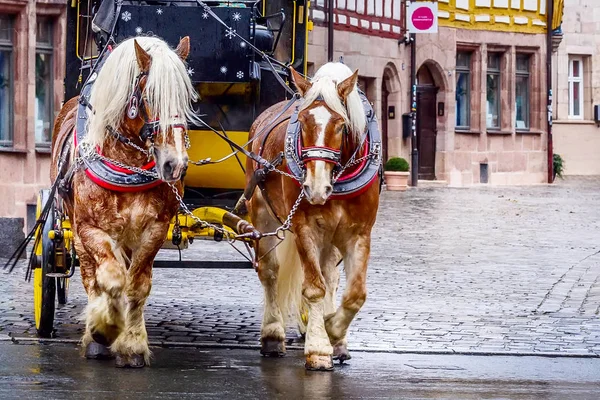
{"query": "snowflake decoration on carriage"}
pixel 230 33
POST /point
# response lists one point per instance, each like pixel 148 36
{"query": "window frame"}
pixel 524 74
pixel 461 69
pixel 9 47
pixel 497 72
pixel 571 81
pixel 47 48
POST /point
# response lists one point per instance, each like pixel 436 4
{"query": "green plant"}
pixel 559 165
pixel 397 164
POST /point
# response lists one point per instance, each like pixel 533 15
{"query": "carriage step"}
pixel 57 275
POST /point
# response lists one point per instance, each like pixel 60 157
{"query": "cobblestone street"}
pixel 495 270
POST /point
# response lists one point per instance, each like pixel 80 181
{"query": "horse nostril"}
pixel 306 190
pixel 169 167
pixel 328 190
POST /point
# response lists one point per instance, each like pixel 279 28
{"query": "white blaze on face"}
pixel 321 178
pixel 178 137
pixel 178 132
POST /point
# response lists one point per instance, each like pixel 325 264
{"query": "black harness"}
pixel 296 156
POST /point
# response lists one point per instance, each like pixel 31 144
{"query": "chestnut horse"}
pixel 302 272
pixel 137 111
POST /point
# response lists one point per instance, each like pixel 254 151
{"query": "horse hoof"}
pixel 133 361
pixel 272 348
pixel 315 362
pixel 341 353
pixel 97 351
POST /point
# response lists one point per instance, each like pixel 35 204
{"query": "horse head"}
pixel 324 123
pixel 143 95
pixel 170 148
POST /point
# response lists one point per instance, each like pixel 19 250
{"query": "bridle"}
pixel 321 153
pixel 137 107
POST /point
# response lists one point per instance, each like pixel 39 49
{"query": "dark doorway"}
pixel 384 119
pixel 426 130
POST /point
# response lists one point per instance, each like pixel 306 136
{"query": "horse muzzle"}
pixel 171 169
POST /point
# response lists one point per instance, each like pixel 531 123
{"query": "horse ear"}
pixel 347 86
pixel 301 83
pixel 143 58
pixel 183 48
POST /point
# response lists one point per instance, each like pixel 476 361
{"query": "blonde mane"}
pixel 169 91
pixel 324 84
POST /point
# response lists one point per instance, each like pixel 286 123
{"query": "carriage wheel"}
pixel 44 287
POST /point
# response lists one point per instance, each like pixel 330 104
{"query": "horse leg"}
pixel 330 268
pixel 92 348
pixel 317 348
pixel 103 273
pixel 355 266
pixel 272 332
pixel 331 274
pixel 131 347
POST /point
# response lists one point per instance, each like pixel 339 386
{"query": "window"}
pixel 463 90
pixel 44 92
pixel 493 91
pixel 6 81
pixel 576 88
pixel 522 92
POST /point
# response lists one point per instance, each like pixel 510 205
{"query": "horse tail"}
pixel 290 278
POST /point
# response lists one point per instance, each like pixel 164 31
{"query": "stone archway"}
pixel 431 86
pixel 391 125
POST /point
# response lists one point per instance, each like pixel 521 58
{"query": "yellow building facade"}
pixel 525 16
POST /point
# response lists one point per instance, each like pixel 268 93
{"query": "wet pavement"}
pixel 57 371
pixel 509 270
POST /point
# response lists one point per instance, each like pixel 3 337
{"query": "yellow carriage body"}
pixel 225 175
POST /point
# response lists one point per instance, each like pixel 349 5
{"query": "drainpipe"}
pixel 414 170
pixel 550 14
pixel 330 30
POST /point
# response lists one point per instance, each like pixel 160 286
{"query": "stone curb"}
pixel 208 345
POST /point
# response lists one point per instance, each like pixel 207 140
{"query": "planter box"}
pixel 396 180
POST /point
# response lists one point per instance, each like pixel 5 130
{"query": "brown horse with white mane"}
pixel 333 142
pixel 122 170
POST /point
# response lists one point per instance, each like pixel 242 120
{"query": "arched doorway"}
pixel 391 107
pixel 426 122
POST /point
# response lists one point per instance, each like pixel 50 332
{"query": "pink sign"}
pixel 422 18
